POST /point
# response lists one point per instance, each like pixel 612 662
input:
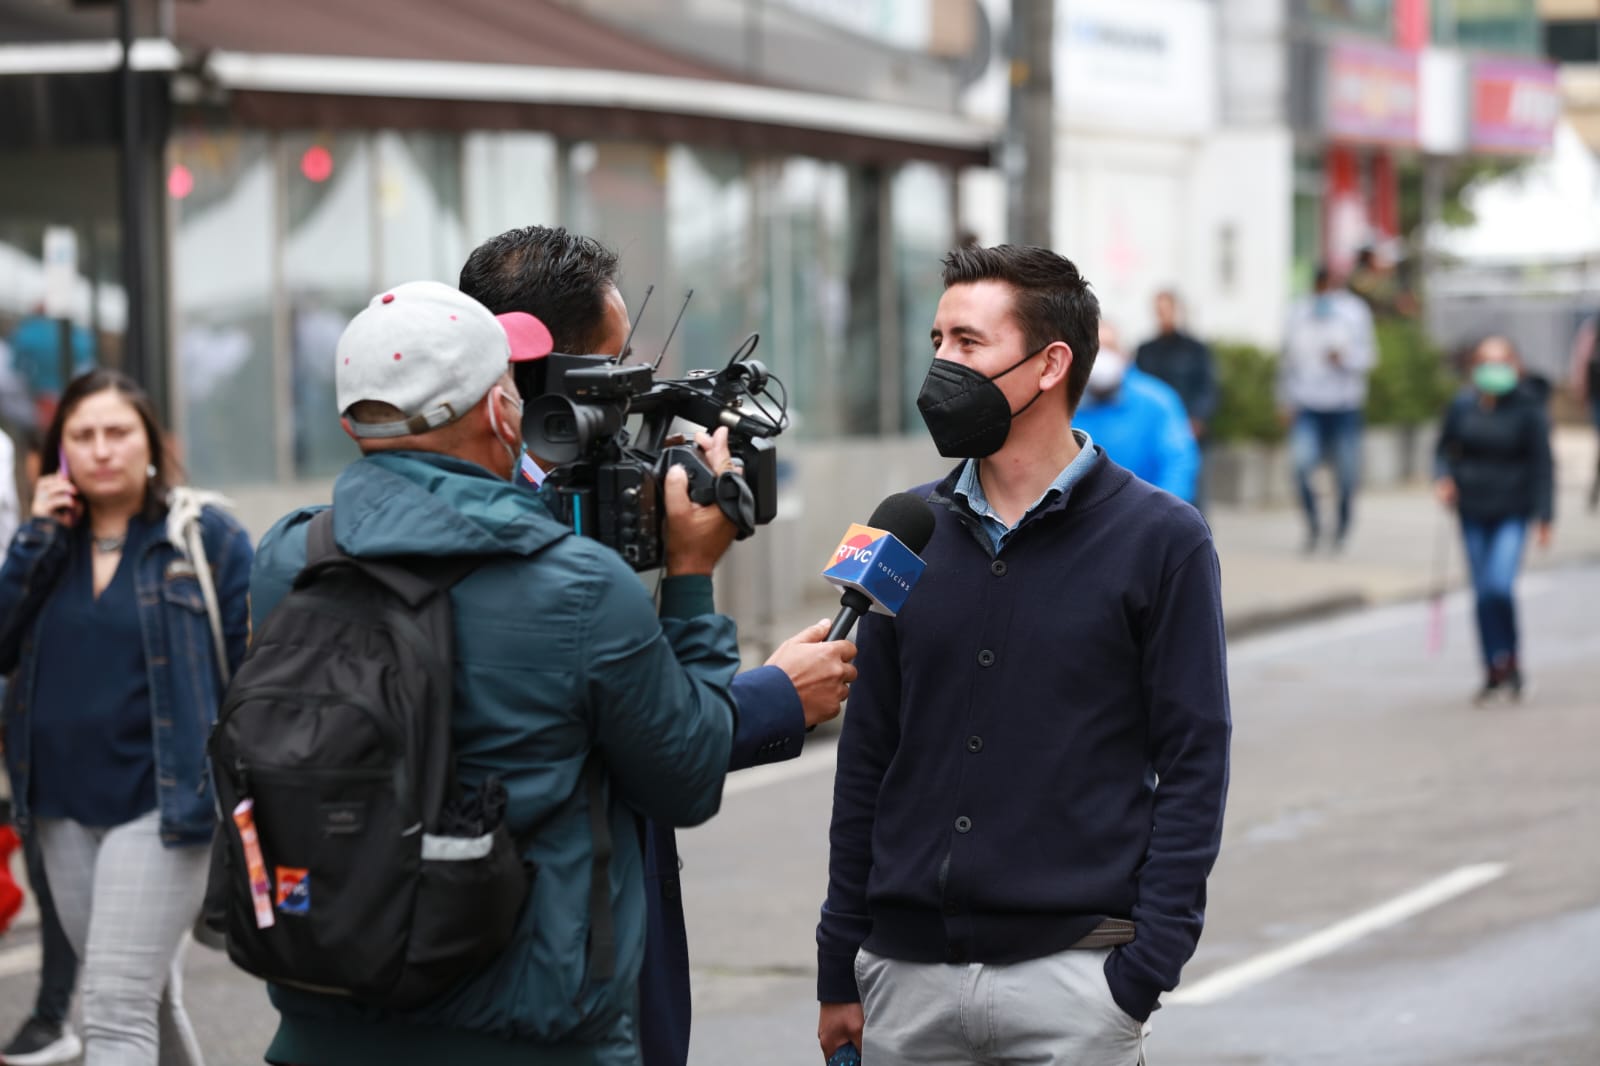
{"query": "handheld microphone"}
pixel 877 564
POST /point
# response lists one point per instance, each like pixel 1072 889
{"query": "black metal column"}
pixel 131 160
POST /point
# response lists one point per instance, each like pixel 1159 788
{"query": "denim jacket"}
pixel 185 686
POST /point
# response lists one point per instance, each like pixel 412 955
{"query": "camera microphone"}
pixel 877 564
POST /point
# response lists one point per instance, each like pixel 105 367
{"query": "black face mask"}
pixel 966 413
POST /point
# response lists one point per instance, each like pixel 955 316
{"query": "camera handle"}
pixel 728 490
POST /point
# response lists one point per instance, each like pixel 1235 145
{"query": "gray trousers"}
pixel 125 903
pixel 1054 1011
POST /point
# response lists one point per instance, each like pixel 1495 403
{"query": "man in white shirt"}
pixel 1329 349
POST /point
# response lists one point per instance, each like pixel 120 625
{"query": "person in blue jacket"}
pixel 570 283
pixel 1139 420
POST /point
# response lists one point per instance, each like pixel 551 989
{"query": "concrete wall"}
pixel 1261 475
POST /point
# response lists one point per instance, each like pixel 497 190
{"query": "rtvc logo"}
pixel 855 548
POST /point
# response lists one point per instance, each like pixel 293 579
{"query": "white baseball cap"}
pixel 430 351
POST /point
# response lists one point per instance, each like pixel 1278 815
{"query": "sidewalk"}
pixel 1392 553
pixel 1267 581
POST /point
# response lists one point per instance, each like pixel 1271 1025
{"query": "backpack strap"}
pixel 414 581
pixel 602 926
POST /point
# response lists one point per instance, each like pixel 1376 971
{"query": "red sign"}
pixel 1515 105
pixel 1372 94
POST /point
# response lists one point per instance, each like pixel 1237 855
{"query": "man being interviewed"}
pixel 1035 756
pixel 558 653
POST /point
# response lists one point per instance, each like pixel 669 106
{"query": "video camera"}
pixel 608 482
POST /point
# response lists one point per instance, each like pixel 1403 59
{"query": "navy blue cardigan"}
pixel 997 793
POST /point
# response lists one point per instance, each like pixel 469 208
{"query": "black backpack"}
pixel 348 861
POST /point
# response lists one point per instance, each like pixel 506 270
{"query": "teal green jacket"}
pixel 559 651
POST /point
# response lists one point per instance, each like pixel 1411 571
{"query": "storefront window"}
pixel 510 182
pixel 71 194
pixel 923 232
pixel 1488 25
pixel 420 231
pixel 1374 18
pixel 708 250
pixel 806 287
pixel 1309 186
pixel 221 191
pixel 328 276
pixel 617 193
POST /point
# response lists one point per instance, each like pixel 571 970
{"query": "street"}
pixel 1405 878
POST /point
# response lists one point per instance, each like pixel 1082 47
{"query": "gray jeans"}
pixel 1054 1011
pixel 125 903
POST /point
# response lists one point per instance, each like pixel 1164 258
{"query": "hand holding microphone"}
pixel 820 670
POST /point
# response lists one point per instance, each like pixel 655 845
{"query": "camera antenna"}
pixel 673 331
pixel 634 325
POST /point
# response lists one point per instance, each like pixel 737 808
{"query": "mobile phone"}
pixel 847 1055
pixel 63 513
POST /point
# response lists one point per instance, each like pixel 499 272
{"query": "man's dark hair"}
pixel 560 278
pixel 1053 302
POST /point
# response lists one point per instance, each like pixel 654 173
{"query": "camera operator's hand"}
pixel 819 669
pixel 697 536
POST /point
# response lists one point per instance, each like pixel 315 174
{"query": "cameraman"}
pixel 556 643
pixel 570 283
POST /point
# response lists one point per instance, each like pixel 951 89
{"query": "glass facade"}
pixel 279 239
pixel 1488 25
pixel 923 233
pixel 74 190
pixel 223 263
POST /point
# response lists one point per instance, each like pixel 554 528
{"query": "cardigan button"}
pixel 986 657
pixel 974 744
pixel 998 568
pixel 963 824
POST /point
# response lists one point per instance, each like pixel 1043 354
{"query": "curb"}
pixel 1253 622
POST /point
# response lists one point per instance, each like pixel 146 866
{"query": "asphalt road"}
pixel 1405 878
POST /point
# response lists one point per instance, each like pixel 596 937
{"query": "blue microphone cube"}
pixel 877 565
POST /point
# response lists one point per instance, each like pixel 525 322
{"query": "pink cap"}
pixel 529 338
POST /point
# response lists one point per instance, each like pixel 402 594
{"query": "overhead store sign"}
pixel 1147 68
pixel 1515 105
pixel 1372 94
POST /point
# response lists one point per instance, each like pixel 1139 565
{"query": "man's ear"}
pixel 345 422
pixel 1058 363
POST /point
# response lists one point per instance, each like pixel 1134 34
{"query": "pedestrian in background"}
pixel 1494 467
pixel 1329 348
pixel 1184 362
pixel 45 1038
pixel 1585 384
pixel 1138 420
pixel 107 603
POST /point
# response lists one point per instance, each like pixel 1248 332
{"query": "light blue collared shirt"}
pixel 970 489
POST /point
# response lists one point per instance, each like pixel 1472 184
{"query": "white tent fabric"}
pixel 1548 212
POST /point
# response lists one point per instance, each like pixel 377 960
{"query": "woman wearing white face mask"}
pixel 1494 467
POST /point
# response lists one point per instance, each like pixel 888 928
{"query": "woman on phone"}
pixel 1494 467
pixel 122 603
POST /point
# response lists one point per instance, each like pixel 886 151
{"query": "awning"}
pixel 501 64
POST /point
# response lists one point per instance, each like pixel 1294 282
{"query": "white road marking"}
pixel 815 757
pixel 1231 979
